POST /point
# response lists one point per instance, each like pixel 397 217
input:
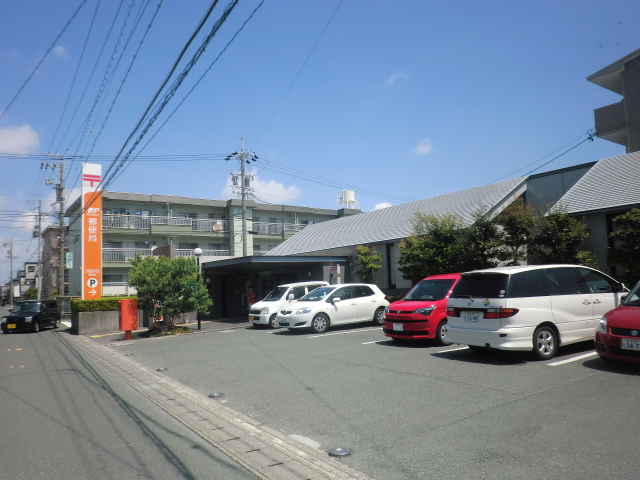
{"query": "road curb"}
pixel 267 453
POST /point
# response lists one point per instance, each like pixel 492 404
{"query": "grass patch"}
pixel 157 332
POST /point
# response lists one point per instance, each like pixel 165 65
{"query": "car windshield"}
pixel 481 285
pixel 318 294
pixel 633 297
pixel 275 294
pixel 429 290
pixel 26 308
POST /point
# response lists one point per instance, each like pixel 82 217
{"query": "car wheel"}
pixel 35 327
pixel 320 323
pixel 441 333
pixel 56 323
pixel 545 343
pixel 378 317
pixel 272 321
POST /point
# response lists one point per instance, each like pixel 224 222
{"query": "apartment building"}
pixel 136 224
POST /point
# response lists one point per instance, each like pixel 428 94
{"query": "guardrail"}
pixel 205 253
pixel 123 254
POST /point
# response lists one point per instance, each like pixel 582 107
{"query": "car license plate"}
pixel 254 318
pixel 630 343
pixel 397 327
pixel 470 316
pixel 11 325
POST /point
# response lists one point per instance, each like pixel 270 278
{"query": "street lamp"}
pixel 197 252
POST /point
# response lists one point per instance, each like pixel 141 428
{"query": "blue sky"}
pixel 398 100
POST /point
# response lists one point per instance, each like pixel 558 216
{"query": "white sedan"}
pixel 335 305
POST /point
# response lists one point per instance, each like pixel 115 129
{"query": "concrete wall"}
pixel 94 323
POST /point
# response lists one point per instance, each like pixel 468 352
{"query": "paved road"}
pixel 63 415
pixel 418 411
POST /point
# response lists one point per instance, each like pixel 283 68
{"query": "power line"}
pixel 297 75
pixel 42 59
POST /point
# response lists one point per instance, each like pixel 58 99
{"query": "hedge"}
pixel 99 305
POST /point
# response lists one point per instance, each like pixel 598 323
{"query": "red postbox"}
pixel 128 316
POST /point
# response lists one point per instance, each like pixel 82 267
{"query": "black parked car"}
pixel 31 315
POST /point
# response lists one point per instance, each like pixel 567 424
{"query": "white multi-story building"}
pixel 135 224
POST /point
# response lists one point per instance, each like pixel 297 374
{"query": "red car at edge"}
pixel 618 331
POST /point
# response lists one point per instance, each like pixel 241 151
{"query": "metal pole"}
pixel 62 232
pixel 39 270
pixel 244 197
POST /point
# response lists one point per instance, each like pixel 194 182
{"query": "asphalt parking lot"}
pixel 416 410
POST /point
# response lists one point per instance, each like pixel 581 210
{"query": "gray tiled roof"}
pixel 611 183
pixel 394 223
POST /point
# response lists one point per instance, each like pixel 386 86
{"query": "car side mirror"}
pixel 623 298
pixel 620 287
pixel 290 297
pixel 335 299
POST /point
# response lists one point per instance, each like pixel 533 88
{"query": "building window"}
pixel 112 278
pixel 217 246
pixel 187 246
pixel 31 268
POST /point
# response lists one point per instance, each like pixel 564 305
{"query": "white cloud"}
pixel 269 191
pixel 423 147
pixel 18 140
pixel 60 52
pixel 383 205
pixel 389 82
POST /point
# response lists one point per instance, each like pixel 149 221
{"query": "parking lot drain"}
pixel 339 452
pixel 161 369
pixel 215 395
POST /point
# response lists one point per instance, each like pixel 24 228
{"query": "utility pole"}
pixel 39 233
pixel 11 257
pixel 61 225
pixel 243 156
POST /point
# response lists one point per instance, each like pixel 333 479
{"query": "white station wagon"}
pixel 531 307
pixel 334 305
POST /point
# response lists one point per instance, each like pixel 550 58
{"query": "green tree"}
pixel 559 238
pixel 626 250
pixel 369 262
pixel 168 287
pixel 31 294
pixel 446 245
pixel 516 223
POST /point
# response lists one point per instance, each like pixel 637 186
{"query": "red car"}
pixel 422 313
pixel 618 332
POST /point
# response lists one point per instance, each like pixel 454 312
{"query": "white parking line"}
pixel 377 341
pixel 454 349
pixel 342 333
pixel 574 359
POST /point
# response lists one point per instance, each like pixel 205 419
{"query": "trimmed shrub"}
pixel 98 305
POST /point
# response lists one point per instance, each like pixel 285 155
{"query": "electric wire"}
pixel 93 71
pixel 104 82
pixel 198 81
pixel 167 97
pixel 75 75
pixel 42 59
pixel 297 75
pixel 124 79
pixel 104 184
pixel 589 134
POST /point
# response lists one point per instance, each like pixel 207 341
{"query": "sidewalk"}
pixel 117 338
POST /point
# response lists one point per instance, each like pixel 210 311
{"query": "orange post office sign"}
pixel 91 276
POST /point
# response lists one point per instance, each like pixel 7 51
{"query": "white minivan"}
pixel 265 311
pixel 529 307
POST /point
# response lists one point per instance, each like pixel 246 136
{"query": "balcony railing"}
pixel 123 254
pixel 144 223
pixel 259 253
pixel 180 252
pixel 266 228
